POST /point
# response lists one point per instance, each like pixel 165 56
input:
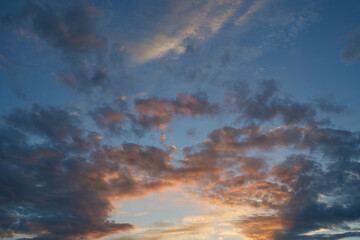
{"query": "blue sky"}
pixel 231 119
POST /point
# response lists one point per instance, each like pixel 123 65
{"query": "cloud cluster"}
pixel 55 171
pixel 124 117
pixel 58 180
pixel 295 195
pixel 48 188
pixel 53 187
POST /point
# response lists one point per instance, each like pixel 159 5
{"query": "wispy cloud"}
pixel 184 21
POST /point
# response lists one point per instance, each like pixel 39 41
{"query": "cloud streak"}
pixel 200 23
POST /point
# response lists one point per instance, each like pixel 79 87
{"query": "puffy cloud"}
pixel 110 119
pixel 54 171
pixel 54 192
pixel 63 184
pixel 54 195
pixel 159 113
pixel 267 103
pixel 287 194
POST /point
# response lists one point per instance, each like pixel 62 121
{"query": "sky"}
pixel 174 120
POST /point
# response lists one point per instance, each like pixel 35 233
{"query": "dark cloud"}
pixel 351 52
pixel 57 181
pixel 53 123
pixel 72 30
pixel 267 103
pixel 327 106
pixel 47 188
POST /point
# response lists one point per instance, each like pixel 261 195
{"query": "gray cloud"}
pixel 351 52
pixel 72 30
pixel 267 103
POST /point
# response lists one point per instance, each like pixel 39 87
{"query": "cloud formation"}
pixel 51 163
pixel 48 189
pixel 294 196
pixel 47 144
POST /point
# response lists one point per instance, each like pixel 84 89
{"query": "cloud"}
pixel 58 179
pixel 72 30
pixel 351 52
pixel 327 106
pixel 54 195
pixel 199 23
pixel 51 188
pixel 111 117
pixel 282 168
pixel 267 103
pixel 262 227
pixel 252 9
pixel 159 113
pixel 53 123
pixel 284 194
pixel 163 137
